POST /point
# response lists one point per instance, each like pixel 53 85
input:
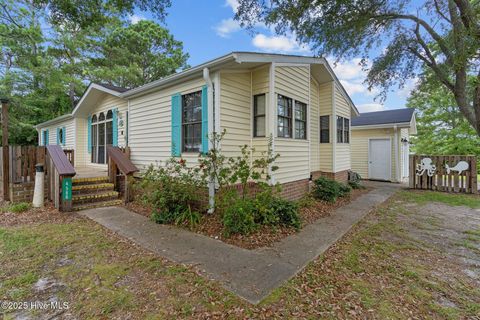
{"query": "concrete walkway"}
pixel 251 274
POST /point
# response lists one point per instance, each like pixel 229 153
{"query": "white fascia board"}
pixel 54 121
pixel 87 92
pixel 383 126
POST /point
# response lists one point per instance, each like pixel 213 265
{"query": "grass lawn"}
pixel 382 269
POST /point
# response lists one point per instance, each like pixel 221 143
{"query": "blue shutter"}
pixel 64 136
pixel 58 136
pixel 89 134
pixel 48 138
pixel 176 125
pixel 204 119
pixel 114 127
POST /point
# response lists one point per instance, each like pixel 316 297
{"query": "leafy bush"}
pixel 239 217
pixel 287 212
pixel 171 190
pixel 329 190
pixel 355 185
pixel 17 207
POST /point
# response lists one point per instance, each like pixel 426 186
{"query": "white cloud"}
pixel 352 76
pixel 232 4
pixel 135 18
pixel 370 107
pixel 226 27
pixel 278 43
pixel 410 84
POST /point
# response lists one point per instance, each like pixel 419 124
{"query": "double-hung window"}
pixel 284 110
pixel 343 130
pixel 324 129
pixel 259 115
pixel 300 120
pixel 192 122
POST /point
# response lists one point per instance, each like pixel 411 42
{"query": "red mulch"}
pixel 265 236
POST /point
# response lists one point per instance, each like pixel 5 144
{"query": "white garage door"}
pixel 379 159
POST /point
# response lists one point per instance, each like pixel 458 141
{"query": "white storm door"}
pixel 379 159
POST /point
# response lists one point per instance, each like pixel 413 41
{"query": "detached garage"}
pixel 380 144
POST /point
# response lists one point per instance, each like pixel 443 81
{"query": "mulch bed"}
pixel 47 214
pixel 265 236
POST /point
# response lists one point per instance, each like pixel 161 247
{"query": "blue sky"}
pixel 207 30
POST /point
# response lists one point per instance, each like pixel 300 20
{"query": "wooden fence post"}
pixel 5 155
pixel 474 175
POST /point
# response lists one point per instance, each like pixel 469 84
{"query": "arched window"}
pixel 109 114
pixel 101 117
pixel 94 118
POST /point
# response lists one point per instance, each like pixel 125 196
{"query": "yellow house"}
pixel 380 144
pixel 296 100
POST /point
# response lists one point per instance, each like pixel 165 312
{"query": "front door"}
pixel 379 159
pixel 102 136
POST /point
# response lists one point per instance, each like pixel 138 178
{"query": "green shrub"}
pixel 355 185
pixel 329 190
pixel 171 190
pixel 239 217
pixel 189 218
pixel 344 189
pixel 17 207
pixel 287 212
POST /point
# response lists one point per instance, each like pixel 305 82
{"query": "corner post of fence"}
pixel 411 174
pixel 474 175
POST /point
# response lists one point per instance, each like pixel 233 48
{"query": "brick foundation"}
pixel 295 190
pixel 23 192
pixel 341 176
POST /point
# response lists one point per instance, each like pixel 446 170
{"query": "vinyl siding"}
pixel 52 133
pixel 261 80
pixel 235 111
pixel 150 125
pixel 293 160
pixel 342 151
pixel 326 149
pixel 108 102
pixel 359 143
pixel 81 152
pixel 403 157
pixel 292 82
pixel 314 127
pixel 293 163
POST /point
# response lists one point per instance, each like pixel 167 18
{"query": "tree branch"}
pixel 439 11
pixel 438 38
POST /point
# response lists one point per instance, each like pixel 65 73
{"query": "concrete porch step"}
pixel 92 205
pixel 91 180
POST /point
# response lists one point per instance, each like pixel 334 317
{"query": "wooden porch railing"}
pixel 60 173
pixel 120 166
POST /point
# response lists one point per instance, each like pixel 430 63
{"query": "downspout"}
pixel 211 125
pixel 395 146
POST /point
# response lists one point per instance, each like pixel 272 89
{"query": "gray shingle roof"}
pixel 383 117
pixel 112 87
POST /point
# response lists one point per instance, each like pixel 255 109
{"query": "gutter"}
pixel 382 126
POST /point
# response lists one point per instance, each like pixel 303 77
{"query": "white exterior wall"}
pixel 326 109
pixel 342 150
pixel 293 163
pixel 235 111
pixel 150 127
pixel 52 133
pixel 360 149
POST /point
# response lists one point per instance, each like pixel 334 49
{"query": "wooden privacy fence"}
pixel 444 173
pixel 18 167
